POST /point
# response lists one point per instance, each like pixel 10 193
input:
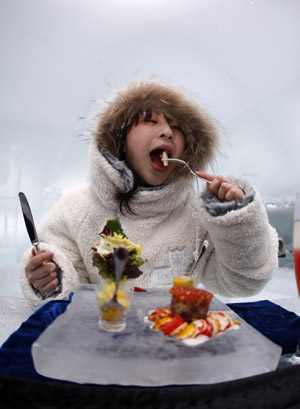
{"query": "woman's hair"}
pixel 126 107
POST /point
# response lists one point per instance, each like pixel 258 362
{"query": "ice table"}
pixel 73 348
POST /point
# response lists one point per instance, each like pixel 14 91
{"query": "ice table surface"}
pixel 74 348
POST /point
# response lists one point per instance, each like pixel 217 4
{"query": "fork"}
pixel 182 162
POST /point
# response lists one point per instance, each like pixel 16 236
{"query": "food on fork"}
pixel 164 157
pixel 111 238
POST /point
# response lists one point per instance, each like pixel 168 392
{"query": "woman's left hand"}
pixel 222 187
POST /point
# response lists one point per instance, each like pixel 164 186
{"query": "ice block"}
pixel 74 348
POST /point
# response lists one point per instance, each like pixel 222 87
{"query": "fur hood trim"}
pixel 119 113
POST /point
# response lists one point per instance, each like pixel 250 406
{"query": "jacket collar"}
pixel 108 175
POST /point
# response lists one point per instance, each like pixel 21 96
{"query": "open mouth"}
pixel 156 157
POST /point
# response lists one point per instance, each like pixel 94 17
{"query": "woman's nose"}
pixel 166 131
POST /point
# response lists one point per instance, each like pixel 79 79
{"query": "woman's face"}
pixel 145 143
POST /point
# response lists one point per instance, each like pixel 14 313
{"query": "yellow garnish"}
pixel 160 322
pixel 187 332
pixel 108 243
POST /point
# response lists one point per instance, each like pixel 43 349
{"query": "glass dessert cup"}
pixel 110 318
pixel 183 278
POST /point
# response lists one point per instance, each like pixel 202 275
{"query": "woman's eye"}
pixel 177 128
pixel 151 121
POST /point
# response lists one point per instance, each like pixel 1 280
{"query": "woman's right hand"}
pixel 40 272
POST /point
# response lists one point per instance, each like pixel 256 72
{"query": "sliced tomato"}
pixel 225 320
pixel 209 329
pixel 201 326
pixel 171 325
pixel 178 329
pixel 216 325
pixel 229 317
pixel 160 322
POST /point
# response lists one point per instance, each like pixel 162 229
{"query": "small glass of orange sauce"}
pixel 183 280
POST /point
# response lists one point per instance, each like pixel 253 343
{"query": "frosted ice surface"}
pixel 13 311
pixel 74 348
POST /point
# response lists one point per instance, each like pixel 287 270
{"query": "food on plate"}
pixel 159 314
pixel 190 303
pixel 225 320
pixel 188 318
pixel 174 326
pixel 187 332
pixel 202 327
pixel 111 238
pixel 164 157
pixel 160 322
pixel 215 325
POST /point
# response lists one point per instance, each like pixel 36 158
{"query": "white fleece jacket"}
pixel 242 252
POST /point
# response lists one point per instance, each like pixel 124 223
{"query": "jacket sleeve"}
pixel 243 248
pixel 56 236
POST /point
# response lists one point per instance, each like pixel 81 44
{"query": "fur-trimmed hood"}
pixel 119 113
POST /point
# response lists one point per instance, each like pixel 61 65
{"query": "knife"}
pixel 28 218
